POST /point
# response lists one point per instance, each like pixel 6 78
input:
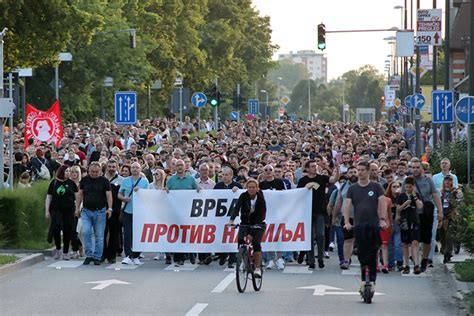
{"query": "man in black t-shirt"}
pixel 317 182
pixel 370 213
pixel 95 192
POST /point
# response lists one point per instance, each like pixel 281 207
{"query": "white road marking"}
pixel 185 267
pixel 105 283
pixel 65 264
pixel 119 266
pixel 197 309
pixel 224 283
pixel 229 270
pixel 350 272
pixel 297 270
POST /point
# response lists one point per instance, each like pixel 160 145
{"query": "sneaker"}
pixel 301 257
pixel 137 262
pixel 66 256
pixel 372 287
pixel 222 260
pixel 157 257
pixel 127 260
pixel 87 261
pixel 321 264
pixel 326 255
pixel 57 254
pixel 230 265
pixel 447 259
pixel 406 270
pixel 270 265
pixel 384 270
pixel 430 263
pixel 424 264
pixel 417 269
pixel 344 265
pixel 208 260
pixel 141 255
pixel 168 260
pixel 112 260
pixel 257 273
pixel 97 262
pixel 192 258
pixel 280 264
pixel 331 247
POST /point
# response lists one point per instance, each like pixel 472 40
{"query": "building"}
pixel 316 64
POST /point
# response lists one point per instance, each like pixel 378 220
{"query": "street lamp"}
pixel 266 103
pixel 108 82
pixel 279 83
pixel 62 57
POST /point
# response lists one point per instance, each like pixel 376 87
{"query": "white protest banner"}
pixel 188 221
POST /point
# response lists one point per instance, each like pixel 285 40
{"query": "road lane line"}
pixel 224 283
pixel 197 309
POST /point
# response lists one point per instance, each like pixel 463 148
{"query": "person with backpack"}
pixel 40 166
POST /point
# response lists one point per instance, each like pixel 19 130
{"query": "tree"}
pixel 39 30
pixel 289 72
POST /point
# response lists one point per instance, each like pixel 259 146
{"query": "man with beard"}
pixel 338 220
pixel 112 228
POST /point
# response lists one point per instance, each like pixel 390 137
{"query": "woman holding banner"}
pixel 251 208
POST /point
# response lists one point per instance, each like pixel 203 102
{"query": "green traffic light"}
pixel 321 46
pixel 213 102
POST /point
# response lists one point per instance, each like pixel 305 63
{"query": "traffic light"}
pixel 382 100
pixel 321 36
pixel 133 38
pixel 213 95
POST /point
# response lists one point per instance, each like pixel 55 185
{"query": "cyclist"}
pixel 251 208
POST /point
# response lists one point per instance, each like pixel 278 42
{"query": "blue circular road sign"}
pixel 407 101
pixel 198 99
pixel 465 110
pixel 417 101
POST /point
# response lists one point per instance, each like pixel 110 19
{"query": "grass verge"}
pixel 469 300
pixel 465 271
pixel 6 259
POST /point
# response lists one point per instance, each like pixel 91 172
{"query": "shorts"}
pixel 426 228
pixel 410 235
pixel 349 234
pixel 256 234
pixel 385 235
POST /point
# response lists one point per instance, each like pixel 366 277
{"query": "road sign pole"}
pixel 445 128
pixel 2 121
pixel 215 108
pixel 417 111
pixel 56 81
pixel 181 105
pixel 10 135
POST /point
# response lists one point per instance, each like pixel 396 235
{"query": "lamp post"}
pixel 62 57
pixel 266 103
pixel 108 82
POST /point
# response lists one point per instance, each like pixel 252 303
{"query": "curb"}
pixel 45 252
pixel 27 261
pixel 462 288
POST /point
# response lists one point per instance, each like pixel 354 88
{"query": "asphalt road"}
pixel 62 288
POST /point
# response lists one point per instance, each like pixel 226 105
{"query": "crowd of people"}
pixel 95 169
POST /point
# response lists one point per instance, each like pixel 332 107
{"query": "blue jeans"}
pixel 395 250
pixel 433 234
pixel 93 222
pixel 340 241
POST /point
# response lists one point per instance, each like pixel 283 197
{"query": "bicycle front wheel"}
pixel 241 270
pixel 257 282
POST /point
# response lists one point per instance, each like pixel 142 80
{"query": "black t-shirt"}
pixel 94 192
pixel 275 184
pixel 410 212
pixel 365 200
pixel 63 195
pixel 75 162
pixel 318 204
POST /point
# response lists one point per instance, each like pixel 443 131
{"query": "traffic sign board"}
pixel 397 103
pixel 417 101
pixel 125 107
pixel 253 106
pixel 285 100
pixel 465 110
pixel 234 116
pixel 198 99
pixel 403 110
pixel 442 102
pixel 407 101
pixel 423 71
pixel 428 27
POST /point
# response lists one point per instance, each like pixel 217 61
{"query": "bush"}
pixel 457 154
pixel 465 270
pixel 22 216
pixel 464 226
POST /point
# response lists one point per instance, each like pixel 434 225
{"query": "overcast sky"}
pixel 294 24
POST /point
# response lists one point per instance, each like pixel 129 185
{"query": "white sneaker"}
pixel 270 265
pixel 157 257
pixel 141 255
pixel 280 264
pixel 137 262
pixel 257 273
pixel 127 260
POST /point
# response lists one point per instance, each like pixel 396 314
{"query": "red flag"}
pixel 43 126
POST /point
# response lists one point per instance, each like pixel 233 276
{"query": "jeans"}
pixel 93 223
pixel 317 233
pixel 340 241
pixel 395 249
pixel 127 221
pixel 433 234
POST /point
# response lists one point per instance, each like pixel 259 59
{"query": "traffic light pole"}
pixel 434 127
pixel 445 127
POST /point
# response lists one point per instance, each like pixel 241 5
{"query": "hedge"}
pixel 22 221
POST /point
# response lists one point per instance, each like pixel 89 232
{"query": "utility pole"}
pixel 434 127
pixel 417 90
pixel 471 92
pixel 216 117
pixel 445 128
pixel 309 98
pixel 2 121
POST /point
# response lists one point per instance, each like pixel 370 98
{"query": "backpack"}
pixel 43 173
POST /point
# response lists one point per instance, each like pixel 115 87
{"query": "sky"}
pixel 294 25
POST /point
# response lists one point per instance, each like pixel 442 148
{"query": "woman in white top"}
pixel 158 183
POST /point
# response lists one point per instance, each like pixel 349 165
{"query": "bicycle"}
pixel 366 291
pixel 245 264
